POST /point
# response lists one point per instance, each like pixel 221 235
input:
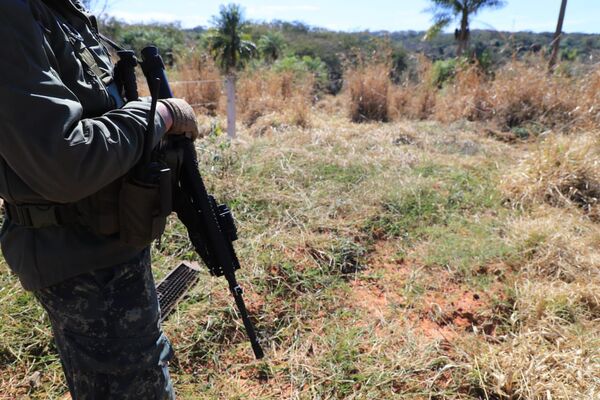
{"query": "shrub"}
pixel 301 67
pixel 369 88
pixel 444 71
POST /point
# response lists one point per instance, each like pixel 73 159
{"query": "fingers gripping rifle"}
pixel 211 227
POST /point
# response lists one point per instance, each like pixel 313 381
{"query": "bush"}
pixel 444 71
pixel 369 88
pixel 168 38
pixel 304 66
pixel 415 100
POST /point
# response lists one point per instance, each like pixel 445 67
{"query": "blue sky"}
pixel 352 15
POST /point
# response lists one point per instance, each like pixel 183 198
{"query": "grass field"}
pixel 403 260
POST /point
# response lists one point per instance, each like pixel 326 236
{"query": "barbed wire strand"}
pixel 201 81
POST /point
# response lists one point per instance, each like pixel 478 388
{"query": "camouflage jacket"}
pixel 62 137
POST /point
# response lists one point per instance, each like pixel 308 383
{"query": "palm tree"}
pixel 557 36
pixel 271 46
pixel 231 48
pixel 447 11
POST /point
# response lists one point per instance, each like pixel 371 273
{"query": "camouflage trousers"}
pixel 106 328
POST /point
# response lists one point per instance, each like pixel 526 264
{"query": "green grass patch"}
pixel 440 194
pixel 465 246
pixel 345 175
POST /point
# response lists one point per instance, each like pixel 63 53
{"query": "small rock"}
pixel 35 380
pixel 404 139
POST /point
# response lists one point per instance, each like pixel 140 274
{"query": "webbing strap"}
pixel 43 215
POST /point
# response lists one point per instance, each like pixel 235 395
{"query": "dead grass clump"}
pixel 557 245
pixel 198 80
pixel 563 171
pixel 263 92
pixel 369 87
pixel 552 348
pixel 467 97
pixel 588 107
pixel 524 92
pixel 415 100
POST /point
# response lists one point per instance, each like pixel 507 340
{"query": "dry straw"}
pixel 562 171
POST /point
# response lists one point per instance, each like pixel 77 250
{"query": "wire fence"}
pixel 201 81
pixel 194 96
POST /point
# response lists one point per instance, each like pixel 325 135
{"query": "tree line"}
pixel 298 45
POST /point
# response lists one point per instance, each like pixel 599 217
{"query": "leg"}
pixel 107 333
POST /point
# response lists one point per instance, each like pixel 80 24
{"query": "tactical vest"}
pixel 98 213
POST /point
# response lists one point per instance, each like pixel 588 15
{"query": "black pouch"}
pixel 143 209
pixel 100 211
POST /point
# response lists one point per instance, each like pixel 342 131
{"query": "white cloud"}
pixel 149 17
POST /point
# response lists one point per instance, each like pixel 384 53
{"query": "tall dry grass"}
pixel 368 86
pixel 197 79
pixel 521 93
pixel 466 98
pixel 518 94
pixel 415 100
pixel 268 99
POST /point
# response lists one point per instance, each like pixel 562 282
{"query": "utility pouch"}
pixel 100 211
pixel 143 209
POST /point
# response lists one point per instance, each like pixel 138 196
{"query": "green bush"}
pixel 444 71
pixel 301 66
pixel 169 38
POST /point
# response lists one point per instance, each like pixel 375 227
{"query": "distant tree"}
pixel 271 46
pixel 231 48
pixel 169 38
pixel 557 36
pixel 399 64
pixel 447 11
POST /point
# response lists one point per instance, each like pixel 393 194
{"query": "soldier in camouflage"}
pixel 66 142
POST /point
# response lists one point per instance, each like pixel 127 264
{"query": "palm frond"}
pixel 437 27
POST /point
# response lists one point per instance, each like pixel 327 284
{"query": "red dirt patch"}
pixel 445 311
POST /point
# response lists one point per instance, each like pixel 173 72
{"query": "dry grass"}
pixel 521 93
pixel 561 171
pixel 414 100
pixel 382 260
pixel 197 79
pixel 368 87
pixel 557 244
pixel 268 99
pixel 553 351
pixel 465 98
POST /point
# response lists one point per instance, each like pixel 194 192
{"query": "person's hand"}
pixel 183 118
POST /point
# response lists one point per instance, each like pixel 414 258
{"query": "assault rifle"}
pixel 211 227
